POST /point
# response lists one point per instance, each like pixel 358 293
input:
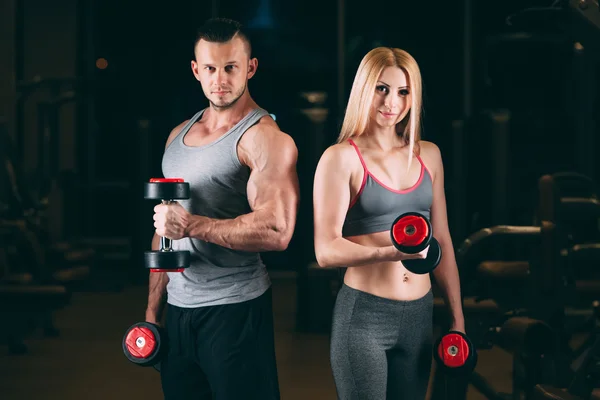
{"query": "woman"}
pixel 381 342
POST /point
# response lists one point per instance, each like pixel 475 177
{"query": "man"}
pixel 244 197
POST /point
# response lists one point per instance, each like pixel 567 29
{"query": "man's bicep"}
pixel 269 187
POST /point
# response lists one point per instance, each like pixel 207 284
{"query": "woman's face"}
pixel 392 97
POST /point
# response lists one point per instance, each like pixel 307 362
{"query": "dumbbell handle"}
pixel 165 243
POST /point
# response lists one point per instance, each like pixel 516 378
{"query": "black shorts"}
pixel 223 352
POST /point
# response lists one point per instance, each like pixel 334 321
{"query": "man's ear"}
pixel 195 70
pixel 252 67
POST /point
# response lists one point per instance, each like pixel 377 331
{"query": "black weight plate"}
pixel 426 265
pixel 166 259
pixel 166 190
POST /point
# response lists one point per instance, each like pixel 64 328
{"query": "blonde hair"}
pixel 361 96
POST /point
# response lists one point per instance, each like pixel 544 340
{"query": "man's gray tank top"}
pixel 217 275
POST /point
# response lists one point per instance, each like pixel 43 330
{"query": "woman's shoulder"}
pixel 428 147
pixel 341 155
pixel 429 150
pixel 339 150
pixel 430 154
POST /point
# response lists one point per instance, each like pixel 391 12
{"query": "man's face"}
pixel 223 70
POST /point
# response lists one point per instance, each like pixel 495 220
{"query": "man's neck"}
pixel 217 118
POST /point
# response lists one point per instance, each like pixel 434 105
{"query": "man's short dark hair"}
pixel 222 30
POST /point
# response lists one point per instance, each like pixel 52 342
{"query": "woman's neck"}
pixel 383 139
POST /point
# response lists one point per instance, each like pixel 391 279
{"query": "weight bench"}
pixel 583 274
pixel 495 264
pixel 526 335
pixel 584 382
pixel 520 336
pixel 547 392
pixel 504 272
pixel 504 281
pixel 516 242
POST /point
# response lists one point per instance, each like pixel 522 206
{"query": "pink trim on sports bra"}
pixel 368 173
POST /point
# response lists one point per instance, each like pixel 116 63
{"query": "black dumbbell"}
pixel 144 344
pixel 411 233
pixel 166 259
pixel 455 354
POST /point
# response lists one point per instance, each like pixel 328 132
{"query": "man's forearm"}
pixel 157 295
pixel 256 231
pixel 157 290
pixel 447 278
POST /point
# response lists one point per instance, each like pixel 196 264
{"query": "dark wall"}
pixel 7 62
pixel 49 50
pixel 148 79
pixel 42 43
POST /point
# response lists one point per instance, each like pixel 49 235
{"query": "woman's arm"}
pixel 446 273
pixel 331 198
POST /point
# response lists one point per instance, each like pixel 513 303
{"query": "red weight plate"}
pixel 453 350
pixel 166 270
pixel 140 342
pixel 403 234
pixel 161 180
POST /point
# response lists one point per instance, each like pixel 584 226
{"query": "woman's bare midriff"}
pixel 387 279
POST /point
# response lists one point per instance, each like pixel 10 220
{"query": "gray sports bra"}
pixel 376 205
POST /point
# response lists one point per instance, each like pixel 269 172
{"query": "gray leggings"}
pixel 381 348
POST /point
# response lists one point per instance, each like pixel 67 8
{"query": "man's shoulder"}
pixel 267 123
pixel 179 127
pixel 265 140
pixel 267 132
pixel 175 131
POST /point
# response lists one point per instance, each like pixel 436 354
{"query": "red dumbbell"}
pixel 455 353
pixel 144 344
pixel 411 233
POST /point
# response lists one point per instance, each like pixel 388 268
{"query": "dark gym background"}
pixel 91 89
